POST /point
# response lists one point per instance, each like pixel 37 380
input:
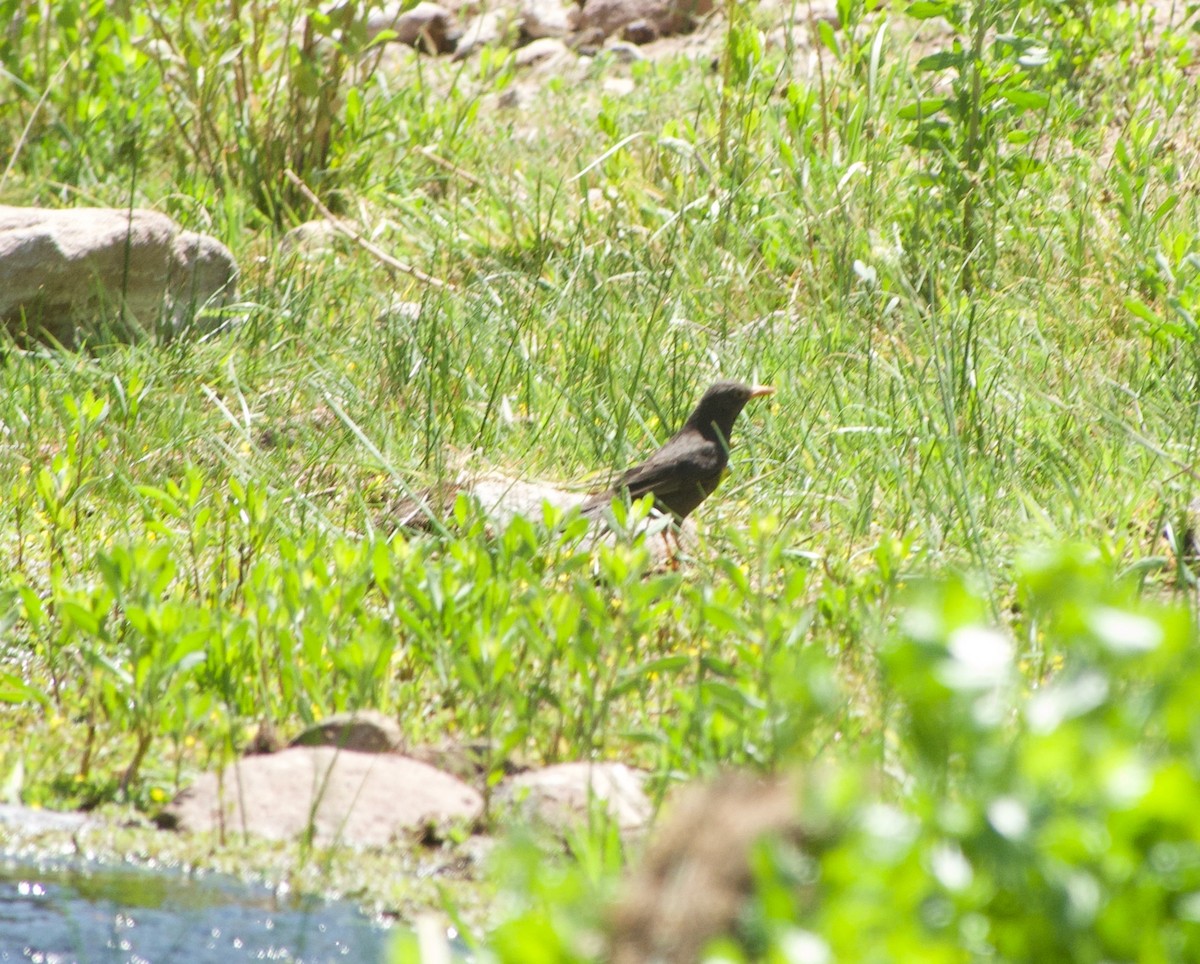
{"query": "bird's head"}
pixel 722 404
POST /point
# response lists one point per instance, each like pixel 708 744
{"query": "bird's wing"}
pixel 673 468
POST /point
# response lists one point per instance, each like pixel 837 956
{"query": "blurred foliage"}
pixel 1058 820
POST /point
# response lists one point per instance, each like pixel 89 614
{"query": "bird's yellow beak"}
pixel 760 390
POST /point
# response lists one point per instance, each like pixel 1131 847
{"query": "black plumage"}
pixel 686 470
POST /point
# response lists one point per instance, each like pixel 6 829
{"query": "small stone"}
pixel 625 52
pixel 503 499
pixel 487 28
pixel 548 18
pixel 399 312
pixel 587 41
pixel 367 731
pixel 640 32
pixel 468 761
pixel 617 86
pixel 544 50
pixel 310 238
pixel 428 27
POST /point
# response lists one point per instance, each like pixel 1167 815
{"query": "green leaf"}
pixel 828 37
pixel 161 499
pixel 720 667
pixel 1027 99
pixel 1164 209
pixel 927 9
pixel 921 108
pixel 941 60
pixel 13 689
pixel 721 620
pixel 729 698
pixel 80 617
pixel 1139 309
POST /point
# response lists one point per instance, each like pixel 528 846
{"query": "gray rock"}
pixel 626 53
pixel 382 18
pixel 640 32
pixel 341 797
pixel 546 50
pixel 72 273
pixel 664 16
pixel 619 86
pixel 502 499
pixel 559 795
pixel 487 28
pixel 809 13
pixel 586 43
pixel 32 820
pixel 518 96
pixel 311 238
pixel 549 18
pixel 367 731
pixel 427 26
pixel 399 313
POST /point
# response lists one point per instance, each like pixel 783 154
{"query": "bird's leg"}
pixel 671 540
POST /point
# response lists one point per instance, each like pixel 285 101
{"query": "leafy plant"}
pixel 288 77
pixel 1016 821
pixel 968 133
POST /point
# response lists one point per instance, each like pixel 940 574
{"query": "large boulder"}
pixel 78 273
pixel 562 795
pixel 337 796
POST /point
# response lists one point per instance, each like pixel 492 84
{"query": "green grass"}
pixel 980 322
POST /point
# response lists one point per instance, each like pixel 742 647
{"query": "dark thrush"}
pixel 686 470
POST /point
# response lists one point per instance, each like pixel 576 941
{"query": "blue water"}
pixel 62 912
